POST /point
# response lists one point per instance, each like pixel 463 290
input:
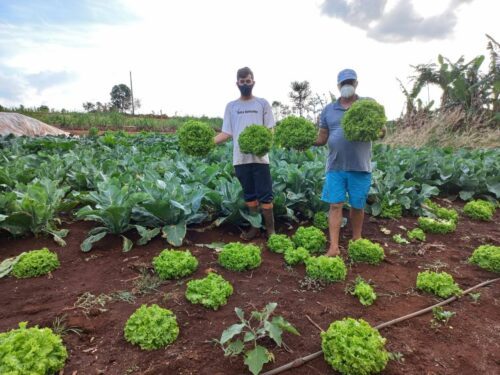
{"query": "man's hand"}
pixel 221 138
pixel 322 137
pixel 383 132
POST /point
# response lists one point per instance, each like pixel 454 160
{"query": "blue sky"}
pixel 184 53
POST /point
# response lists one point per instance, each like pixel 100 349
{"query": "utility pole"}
pixel 132 93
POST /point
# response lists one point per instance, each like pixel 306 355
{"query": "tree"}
pixel 89 107
pixel 299 95
pixel 121 98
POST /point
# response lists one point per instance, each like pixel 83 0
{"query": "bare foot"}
pixel 332 252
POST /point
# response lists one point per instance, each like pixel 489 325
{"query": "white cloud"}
pixel 184 54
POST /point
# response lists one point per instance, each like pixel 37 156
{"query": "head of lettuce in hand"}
pixel 364 121
pixel 196 138
pixel 256 140
pixel 295 133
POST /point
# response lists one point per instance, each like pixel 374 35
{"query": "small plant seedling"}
pixel 399 239
pixel 441 316
pixel 59 326
pixel 250 331
pixel 396 356
pixel 475 297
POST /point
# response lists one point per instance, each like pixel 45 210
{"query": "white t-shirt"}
pixel 242 113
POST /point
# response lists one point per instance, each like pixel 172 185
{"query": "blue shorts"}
pixel 355 184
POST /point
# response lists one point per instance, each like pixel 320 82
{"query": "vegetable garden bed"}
pixel 468 344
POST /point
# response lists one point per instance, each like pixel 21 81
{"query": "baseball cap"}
pixel 346 74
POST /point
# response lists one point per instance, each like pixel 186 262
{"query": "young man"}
pixel 252 171
pixel 348 168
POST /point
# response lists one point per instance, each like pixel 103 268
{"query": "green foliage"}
pixel 196 138
pixel 279 243
pixel 236 256
pixel 400 239
pixel 30 351
pixel 174 264
pixel 416 234
pixel 440 284
pixel 36 263
pixel 256 140
pixel 479 210
pixel 320 220
pixel 364 292
pixel 353 347
pixel 364 121
pixel 211 291
pixel 430 225
pixel 487 257
pixel 391 211
pixel 441 212
pixel 241 338
pixel 295 133
pixel 296 256
pixel 325 268
pixel 310 238
pixel 363 250
pixel 151 327
pixel 93 132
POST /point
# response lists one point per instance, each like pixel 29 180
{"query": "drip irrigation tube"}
pixel 300 361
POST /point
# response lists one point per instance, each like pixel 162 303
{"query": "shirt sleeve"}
pixel 322 119
pixel 268 115
pixel 227 126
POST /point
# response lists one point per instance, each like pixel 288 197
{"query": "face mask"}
pixel 347 91
pixel 246 90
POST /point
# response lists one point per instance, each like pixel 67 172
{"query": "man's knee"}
pixel 336 206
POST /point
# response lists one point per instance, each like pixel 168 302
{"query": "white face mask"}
pixel 347 91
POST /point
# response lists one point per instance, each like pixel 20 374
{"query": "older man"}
pixel 348 169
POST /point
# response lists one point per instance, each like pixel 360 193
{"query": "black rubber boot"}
pixel 252 232
pixel 268 215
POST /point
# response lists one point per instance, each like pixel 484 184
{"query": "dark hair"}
pixel 244 72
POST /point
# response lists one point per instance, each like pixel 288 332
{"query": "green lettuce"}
pixel 30 351
pixel 151 327
pixel 174 264
pixel 36 263
pixel 364 121
pixel 439 283
pixel 487 257
pixel 211 291
pixel 363 250
pixel 353 347
pixel 325 268
pixel 310 238
pixel 236 256
pixel 256 140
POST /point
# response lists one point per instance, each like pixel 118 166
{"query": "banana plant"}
pixel 111 205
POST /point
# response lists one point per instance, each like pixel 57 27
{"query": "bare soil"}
pixel 469 344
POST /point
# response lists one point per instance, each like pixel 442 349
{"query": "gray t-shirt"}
pixel 242 113
pixel 343 155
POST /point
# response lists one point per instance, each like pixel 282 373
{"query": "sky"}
pixel 184 54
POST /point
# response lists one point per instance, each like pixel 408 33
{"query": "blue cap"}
pixel 346 74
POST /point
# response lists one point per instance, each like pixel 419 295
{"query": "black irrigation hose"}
pixel 300 361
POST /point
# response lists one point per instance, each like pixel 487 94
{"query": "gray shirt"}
pixel 343 155
pixel 242 113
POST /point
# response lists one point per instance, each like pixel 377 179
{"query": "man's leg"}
pixel 334 192
pixel 358 186
pixel 334 223
pixel 244 175
pixel 264 191
pixel 357 216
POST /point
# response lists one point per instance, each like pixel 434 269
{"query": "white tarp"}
pixel 17 124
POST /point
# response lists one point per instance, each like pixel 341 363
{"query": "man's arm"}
pixel 322 137
pixel 383 132
pixel 221 138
